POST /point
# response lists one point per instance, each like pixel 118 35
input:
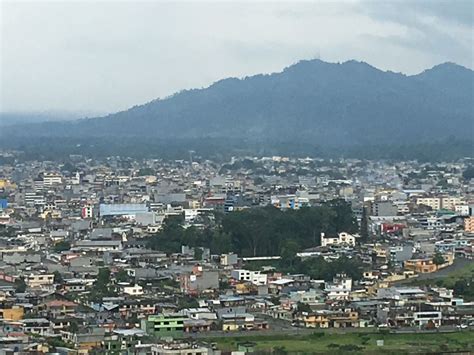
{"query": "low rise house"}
pixel 164 324
pixel 38 280
pixel 342 238
pixel 255 277
pixel 41 326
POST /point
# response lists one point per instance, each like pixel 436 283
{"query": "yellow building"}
pixel 380 251
pixel 433 202
pixel 54 214
pixel 313 320
pixel 15 313
pixel 7 184
pixel 424 266
pixel 469 225
pixel 244 288
pixel 346 320
pixel 330 319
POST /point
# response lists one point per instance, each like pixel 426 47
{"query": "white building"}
pixel 50 179
pixel 343 238
pixel 41 326
pixel 38 280
pixel 254 277
pixel 199 313
pixel 423 318
pixel 340 288
pixel 190 214
pixel 135 290
pixel 462 210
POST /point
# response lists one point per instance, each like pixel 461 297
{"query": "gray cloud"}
pixel 410 12
pixel 110 55
pixel 440 28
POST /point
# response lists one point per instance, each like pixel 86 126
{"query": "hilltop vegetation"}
pixel 309 103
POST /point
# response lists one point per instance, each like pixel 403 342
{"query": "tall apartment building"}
pixel 51 179
pixel 383 208
pixel 34 199
pixel 433 202
pixel 437 203
pixel 449 203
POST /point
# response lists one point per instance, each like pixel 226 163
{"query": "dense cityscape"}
pixel 156 256
pixel 236 177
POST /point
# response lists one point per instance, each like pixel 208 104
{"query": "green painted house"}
pixel 164 324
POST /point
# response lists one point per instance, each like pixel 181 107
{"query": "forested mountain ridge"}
pixel 311 101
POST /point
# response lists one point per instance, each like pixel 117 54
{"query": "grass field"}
pixel 343 343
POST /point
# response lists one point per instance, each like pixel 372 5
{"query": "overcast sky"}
pixel 105 56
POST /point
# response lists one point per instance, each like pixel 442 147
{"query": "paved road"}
pixel 458 264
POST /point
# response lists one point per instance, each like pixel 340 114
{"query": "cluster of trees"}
pixel 146 171
pixel 260 231
pixel 320 269
pixel 173 236
pixel 222 149
pixel 102 286
pixel 468 174
pixel 63 245
pixel 464 288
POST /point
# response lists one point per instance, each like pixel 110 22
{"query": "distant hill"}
pixel 312 101
pixel 21 118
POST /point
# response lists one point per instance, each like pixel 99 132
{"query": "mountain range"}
pixel 335 104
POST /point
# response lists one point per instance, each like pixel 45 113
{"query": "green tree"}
pixel 146 172
pixel 101 287
pixel 198 253
pixel 460 287
pixel 364 225
pixel 258 231
pixel 20 285
pixel 122 276
pixel 303 307
pixel 438 259
pixel 187 302
pixel 74 326
pixel 103 278
pixel 288 252
pixel 68 167
pixel 62 246
pixel 58 278
pixel 468 173
pixel 221 242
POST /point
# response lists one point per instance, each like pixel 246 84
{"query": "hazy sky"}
pixel 105 56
